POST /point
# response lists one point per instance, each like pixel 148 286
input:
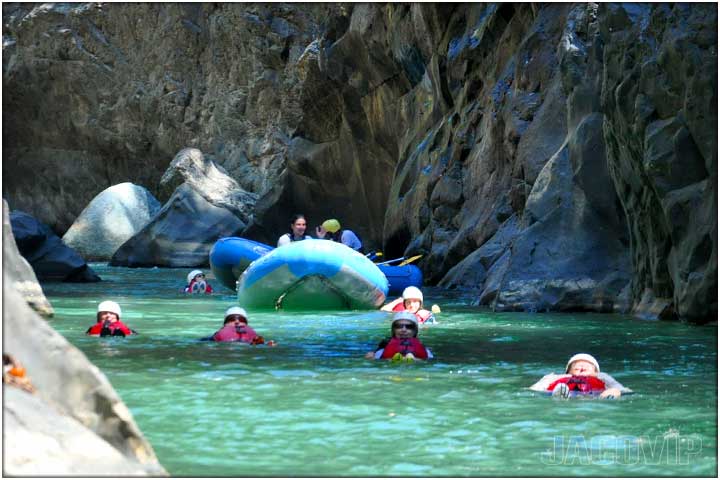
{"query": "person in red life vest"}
pixel 582 377
pixel 108 322
pixel 412 301
pixel 197 283
pixel 235 329
pixel 403 343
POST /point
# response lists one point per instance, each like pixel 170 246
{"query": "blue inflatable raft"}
pixel 230 257
pixel 312 274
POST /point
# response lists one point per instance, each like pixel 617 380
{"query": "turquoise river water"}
pixel 313 406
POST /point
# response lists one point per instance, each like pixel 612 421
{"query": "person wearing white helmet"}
pixel 411 301
pixel 582 377
pixel 108 321
pixel 403 344
pixel 331 230
pixel 235 329
pixel 196 283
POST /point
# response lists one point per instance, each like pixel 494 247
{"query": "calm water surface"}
pixel 313 406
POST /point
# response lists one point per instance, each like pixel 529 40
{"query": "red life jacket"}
pixel 400 307
pixel 112 326
pixel 229 334
pixel 189 288
pixel 423 315
pixel 405 346
pixel 580 383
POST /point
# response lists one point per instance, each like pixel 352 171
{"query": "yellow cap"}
pixel 331 225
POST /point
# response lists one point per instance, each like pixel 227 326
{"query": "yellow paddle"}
pixel 409 260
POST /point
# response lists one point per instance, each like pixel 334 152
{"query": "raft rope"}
pixel 323 279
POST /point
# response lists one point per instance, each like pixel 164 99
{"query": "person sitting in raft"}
pixel 298 225
pixel 235 329
pixel 411 301
pixel 108 322
pixel 403 343
pixel 197 283
pixel 582 377
pixel 331 230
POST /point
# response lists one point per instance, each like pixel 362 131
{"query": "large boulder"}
pixel 181 234
pixel 112 217
pixel 19 272
pixel 74 407
pixel 211 181
pixel 50 258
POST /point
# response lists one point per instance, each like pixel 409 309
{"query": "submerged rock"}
pixel 112 217
pixel 49 257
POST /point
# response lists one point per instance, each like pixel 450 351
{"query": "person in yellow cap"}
pixel 331 230
pixel 582 377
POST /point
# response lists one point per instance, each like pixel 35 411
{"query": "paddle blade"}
pixel 409 260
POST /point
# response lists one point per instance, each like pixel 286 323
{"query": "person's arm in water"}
pixel 383 343
pixel 390 306
pixel 614 388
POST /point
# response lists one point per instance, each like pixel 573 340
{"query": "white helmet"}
pixel 405 316
pixel 583 356
pixel 412 293
pixel 109 306
pixel 236 311
pixel 192 275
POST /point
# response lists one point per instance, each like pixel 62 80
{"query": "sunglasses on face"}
pixel 202 275
pixel 407 326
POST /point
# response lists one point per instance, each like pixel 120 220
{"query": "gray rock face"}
pixel 19 272
pixel 181 234
pixel 50 258
pixel 39 441
pixel 423 127
pixel 661 131
pixel 211 181
pixel 112 217
pixel 73 398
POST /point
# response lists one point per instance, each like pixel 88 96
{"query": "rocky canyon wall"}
pixel 554 156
